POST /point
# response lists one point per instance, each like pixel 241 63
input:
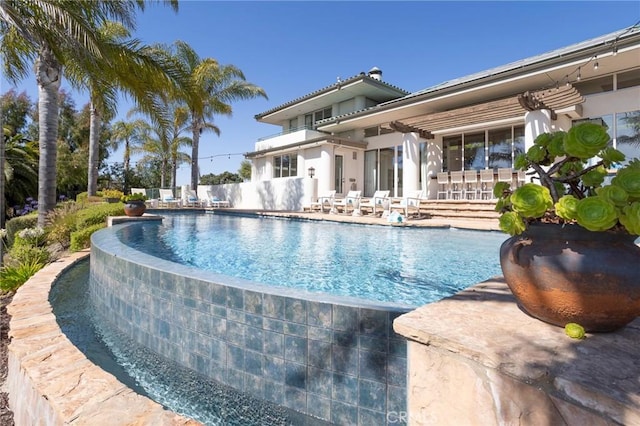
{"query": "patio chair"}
pixel 377 200
pixel 410 202
pixel 351 200
pixel 443 185
pixel 327 199
pixel 216 202
pixel 456 190
pixel 167 199
pixel 191 199
pixel 486 184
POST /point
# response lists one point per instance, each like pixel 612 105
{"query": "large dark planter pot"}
pixel 134 208
pixel 561 274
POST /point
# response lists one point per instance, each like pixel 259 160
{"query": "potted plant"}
pixel 572 256
pixel 112 195
pixel 134 204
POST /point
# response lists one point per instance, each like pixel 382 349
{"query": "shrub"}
pixel 61 222
pixel 112 193
pixel 26 250
pixel 17 224
pixel 13 276
pixel 98 213
pixel 81 239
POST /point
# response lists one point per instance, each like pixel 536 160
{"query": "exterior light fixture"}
pixel 311 171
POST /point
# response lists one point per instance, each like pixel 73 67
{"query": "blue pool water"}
pixel 408 266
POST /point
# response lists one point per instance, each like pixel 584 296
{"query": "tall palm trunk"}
pixel 195 143
pixel 49 76
pixel 95 122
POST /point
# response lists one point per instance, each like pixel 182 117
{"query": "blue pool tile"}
pixel 344 359
pixel 319 382
pixel 295 398
pixel 398 347
pixel 273 306
pixel 236 315
pixel 218 351
pixel 374 322
pixel 253 302
pixel 218 311
pixel 235 298
pixel 373 395
pixel 370 417
pixel 235 378
pixel 397 399
pixel 373 366
pixel 235 357
pixel 274 391
pixel 236 332
pixel 274 369
pixel 295 310
pixel 318 333
pixel 254 338
pixel 254 385
pixel 346 339
pixel 218 294
pixel 319 407
pixel 295 349
pixel 163 329
pixel 345 387
pixel 295 329
pixel 319 354
pixel 254 320
pixel 253 362
pixel 218 327
pixel 295 375
pixel 273 344
pixel 344 414
pixel 397 371
pixel 319 314
pixel 345 318
pixel 273 325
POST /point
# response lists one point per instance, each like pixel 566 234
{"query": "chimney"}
pixel 375 73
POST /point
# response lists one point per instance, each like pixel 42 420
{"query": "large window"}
pixel 474 150
pixel 628 134
pixel 488 149
pixel 285 165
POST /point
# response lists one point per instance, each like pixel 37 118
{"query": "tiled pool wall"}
pixel 339 362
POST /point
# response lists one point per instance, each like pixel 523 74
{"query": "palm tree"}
pixel 128 134
pixel 213 87
pixel 53 33
pixel 164 142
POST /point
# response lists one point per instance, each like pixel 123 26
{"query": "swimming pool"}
pixel 326 355
pixel 407 266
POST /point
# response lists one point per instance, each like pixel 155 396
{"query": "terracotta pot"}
pixel 561 274
pixel 134 208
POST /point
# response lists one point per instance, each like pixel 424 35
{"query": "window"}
pixel 293 124
pixel 628 134
pixel 474 151
pixel 499 148
pixel 321 115
pixel 628 79
pixel 285 165
pixel 452 153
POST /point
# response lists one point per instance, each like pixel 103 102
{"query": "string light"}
pixel 596 65
pixel 579 77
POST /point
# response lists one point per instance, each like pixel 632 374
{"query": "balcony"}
pixel 287 138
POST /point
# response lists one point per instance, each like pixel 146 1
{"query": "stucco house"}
pixel 363 133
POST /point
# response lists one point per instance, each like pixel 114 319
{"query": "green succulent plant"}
pixel 571 170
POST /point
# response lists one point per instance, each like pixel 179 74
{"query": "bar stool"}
pixel 505 175
pixel 521 179
pixel 471 184
pixel 443 185
pixel 457 185
pixel 486 184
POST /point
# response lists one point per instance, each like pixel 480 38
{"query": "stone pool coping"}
pixel 67 388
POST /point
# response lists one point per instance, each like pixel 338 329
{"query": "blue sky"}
pixel 293 48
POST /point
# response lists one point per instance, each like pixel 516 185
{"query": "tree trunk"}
pixel 195 142
pixel 49 76
pixel 94 149
pixel 3 207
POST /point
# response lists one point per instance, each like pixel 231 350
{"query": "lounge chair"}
pixel 410 202
pixel 216 202
pixel 327 199
pixel 351 200
pixel 190 198
pixel 377 200
pixel 167 199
